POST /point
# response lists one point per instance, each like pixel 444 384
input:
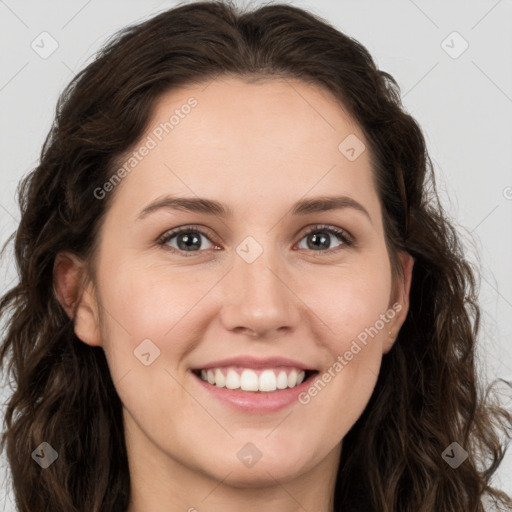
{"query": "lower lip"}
pixel 255 401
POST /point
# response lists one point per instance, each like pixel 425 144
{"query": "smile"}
pixel 249 379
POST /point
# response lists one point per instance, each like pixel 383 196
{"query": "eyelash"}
pixel 340 233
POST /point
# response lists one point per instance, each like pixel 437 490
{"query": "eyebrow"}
pixel 211 207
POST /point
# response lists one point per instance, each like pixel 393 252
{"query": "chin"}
pixel 261 473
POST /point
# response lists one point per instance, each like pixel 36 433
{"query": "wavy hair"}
pixel 428 393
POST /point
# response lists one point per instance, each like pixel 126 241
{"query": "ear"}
pixel 77 296
pixel 399 302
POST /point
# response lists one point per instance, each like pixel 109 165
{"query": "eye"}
pixel 188 239
pixel 323 240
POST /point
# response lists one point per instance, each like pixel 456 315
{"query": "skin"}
pixel 258 148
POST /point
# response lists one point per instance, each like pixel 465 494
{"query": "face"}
pixel 261 282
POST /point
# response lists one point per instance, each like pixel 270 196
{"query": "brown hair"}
pixel 427 395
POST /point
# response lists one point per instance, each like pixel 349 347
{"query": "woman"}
pixel 180 339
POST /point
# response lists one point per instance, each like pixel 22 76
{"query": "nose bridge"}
pixel 257 271
pixel 257 297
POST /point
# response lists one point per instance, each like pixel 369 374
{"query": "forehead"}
pixel 234 140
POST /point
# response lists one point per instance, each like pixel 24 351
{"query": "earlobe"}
pixel 87 322
pixel 78 302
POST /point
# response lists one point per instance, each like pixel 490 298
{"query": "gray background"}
pixel 463 104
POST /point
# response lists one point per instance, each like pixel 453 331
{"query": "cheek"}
pixel 354 312
pixel 149 300
pixel 349 300
pixel 153 303
pixel 341 391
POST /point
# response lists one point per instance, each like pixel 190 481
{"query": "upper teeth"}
pixel 249 380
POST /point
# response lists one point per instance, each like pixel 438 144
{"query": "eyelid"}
pixel 167 235
pixel 345 237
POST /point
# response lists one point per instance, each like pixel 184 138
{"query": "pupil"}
pixel 189 241
pixel 324 240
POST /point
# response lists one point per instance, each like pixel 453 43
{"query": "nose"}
pixel 257 299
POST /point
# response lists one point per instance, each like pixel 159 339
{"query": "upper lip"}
pixel 253 362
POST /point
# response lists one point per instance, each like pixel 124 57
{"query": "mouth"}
pixel 251 380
